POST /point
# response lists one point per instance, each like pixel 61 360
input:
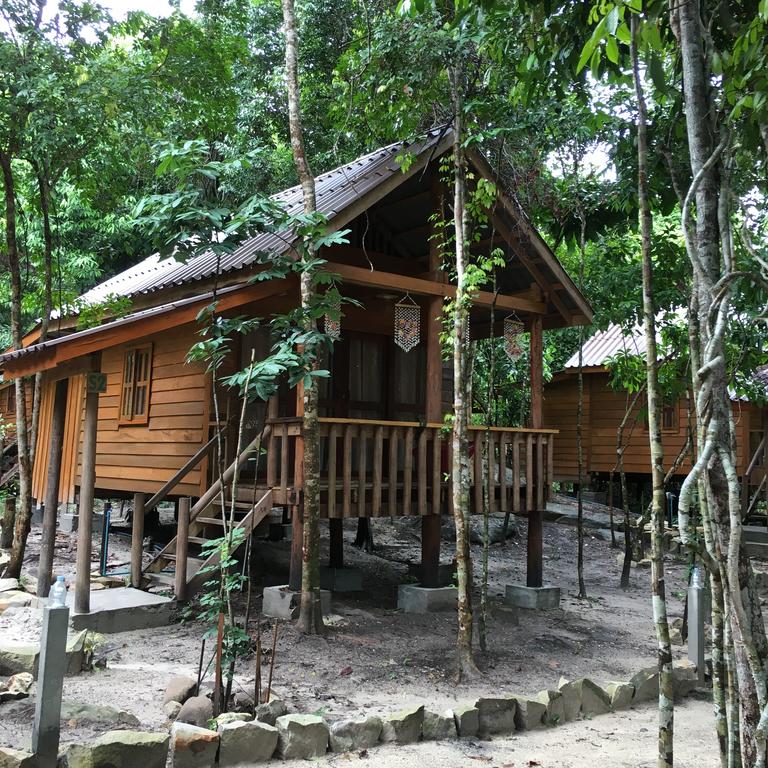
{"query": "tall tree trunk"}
pixel 740 668
pixel 461 386
pixel 24 508
pixel 666 693
pixel 580 427
pixel 311 616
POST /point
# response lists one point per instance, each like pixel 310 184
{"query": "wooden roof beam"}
pixel 420 287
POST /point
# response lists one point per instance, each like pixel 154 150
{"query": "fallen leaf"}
pixel 481 758
pixel 533 762
pixel 362 754
pixel 346 671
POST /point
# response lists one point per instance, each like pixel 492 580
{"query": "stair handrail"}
pixel 181 474
pixel 205 500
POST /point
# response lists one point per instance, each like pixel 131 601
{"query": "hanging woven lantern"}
pixel 407 323
pixel 332 325
pixel 513 328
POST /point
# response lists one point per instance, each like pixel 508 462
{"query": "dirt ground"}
pixel 374 658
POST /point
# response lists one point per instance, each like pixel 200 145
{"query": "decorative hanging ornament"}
pixel 407 323
pixel 332 327
pixel 513 328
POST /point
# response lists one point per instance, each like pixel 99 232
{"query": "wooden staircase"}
pixel 206 521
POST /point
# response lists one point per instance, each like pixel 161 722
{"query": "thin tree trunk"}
pixel 44 190
pixel 666 692
pixel 580 428
pixel 24 508
pixel 311 617
pixel 461 388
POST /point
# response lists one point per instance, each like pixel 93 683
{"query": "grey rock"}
pixel 196 710
pixel 15 758
pixel 18 657
pixel 193 747
pixel 233 717
pixel 684 677
pixel 403 727
pixel 172 709
pixel 646 685
pixel 97 714
pixel 594 700
pixel 269 712
pixel 529 714
pixel 571 693
pixel 179 688
pixel 120 749
pixel 620 694
pixel 496 715
pixel 244 743
pixel 9 585
pixel 350 735
pixel 17 686
pixel 438 727
pixel 555 707
pixel 301 736
pixel 467 720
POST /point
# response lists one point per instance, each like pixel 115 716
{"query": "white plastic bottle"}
pixel 57 597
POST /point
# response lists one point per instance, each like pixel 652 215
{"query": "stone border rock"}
pixel 309 736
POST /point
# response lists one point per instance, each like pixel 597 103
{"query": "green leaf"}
pixel 656 71
pixel 612 50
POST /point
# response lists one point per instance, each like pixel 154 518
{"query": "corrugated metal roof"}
pixel 598 349
pixel 335 191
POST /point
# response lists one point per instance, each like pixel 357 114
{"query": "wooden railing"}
pixel 375 468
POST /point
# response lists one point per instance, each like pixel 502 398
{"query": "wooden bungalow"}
pixel 124 413
pixel 604 408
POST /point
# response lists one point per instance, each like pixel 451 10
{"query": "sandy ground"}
pixel 374 658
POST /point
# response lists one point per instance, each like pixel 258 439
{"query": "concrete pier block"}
pixel 537 598
pixel 341 579
pixel 280 602
pixel 412 598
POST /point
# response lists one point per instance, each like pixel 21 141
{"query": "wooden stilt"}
pixel 51 502
pixel 535 575
pixel 433 407
pixel 9 516
pixel 85 508
pixel 297 535
pixel 137 539
pixel 535 479
pixel 182 550
pixel 336 533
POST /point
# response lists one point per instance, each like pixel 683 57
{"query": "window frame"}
pixel 131 357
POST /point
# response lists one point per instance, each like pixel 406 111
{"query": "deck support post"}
pixel 297 536
pixel 137 539
pixel 182 550
pixel 85 507
pixel 433 401
pixel 336 535
pixel 51 501
pixel 535 575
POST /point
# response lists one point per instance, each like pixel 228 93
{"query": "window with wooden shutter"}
pixel 136 383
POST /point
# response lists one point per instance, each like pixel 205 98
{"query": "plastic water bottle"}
pixel 58 594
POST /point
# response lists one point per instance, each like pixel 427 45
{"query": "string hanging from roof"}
pixel 407 323
pixel 513 329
